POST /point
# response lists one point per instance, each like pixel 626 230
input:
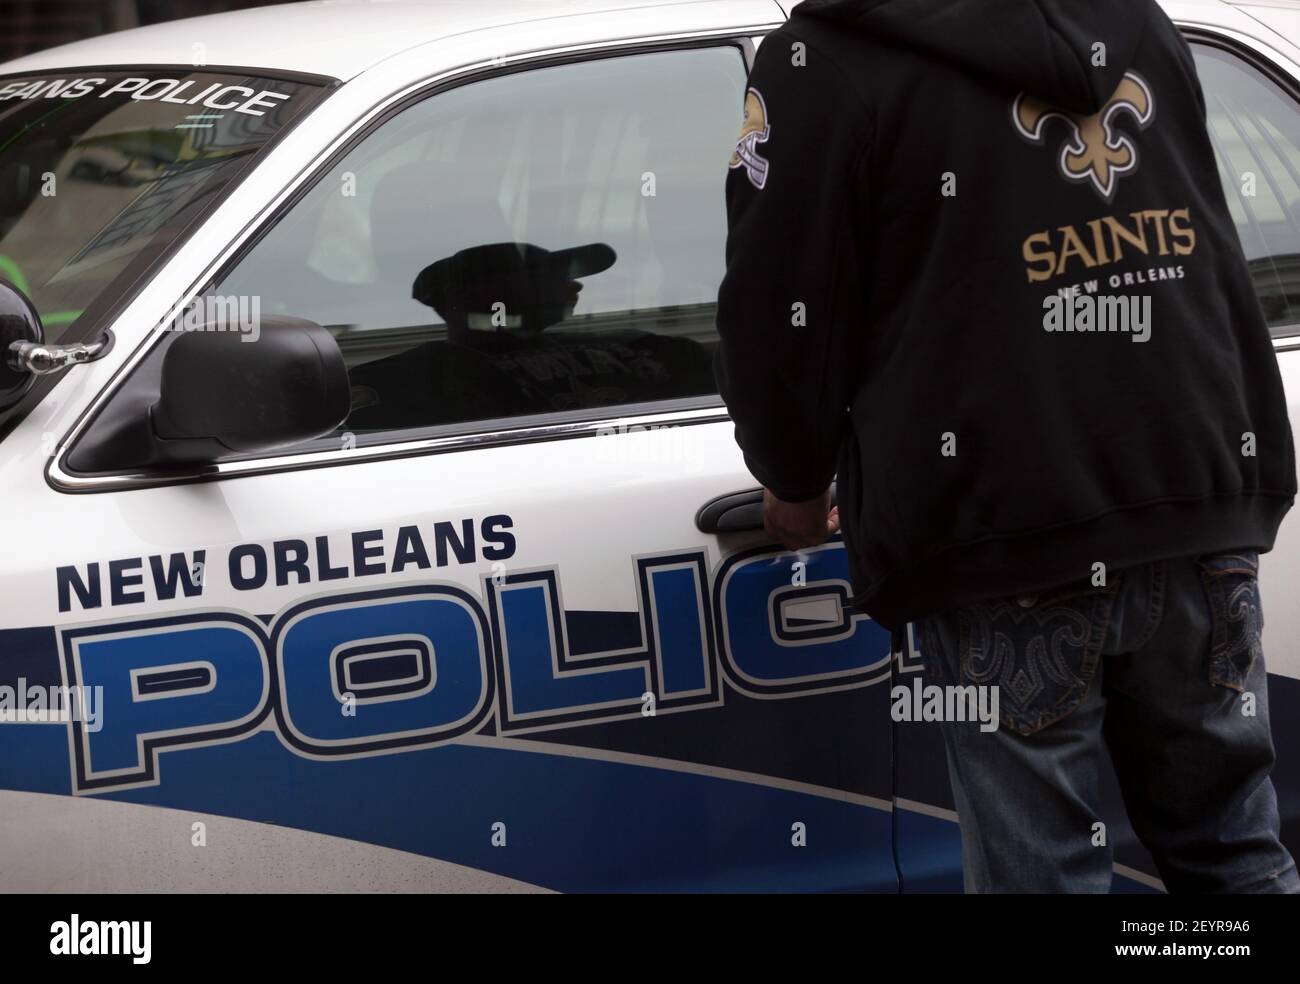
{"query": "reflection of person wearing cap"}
pixel 500 360
pixel 514 286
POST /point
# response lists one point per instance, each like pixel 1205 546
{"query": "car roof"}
pixel 336 38
pixel 342 38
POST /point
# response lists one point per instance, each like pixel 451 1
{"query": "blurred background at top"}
pixel 30 25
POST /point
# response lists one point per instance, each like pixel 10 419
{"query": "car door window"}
pixel 543 242
pixel 1255 128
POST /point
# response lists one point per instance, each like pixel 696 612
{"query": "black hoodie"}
pixel 919 189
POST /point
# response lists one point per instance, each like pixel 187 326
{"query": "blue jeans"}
pixel 1162 665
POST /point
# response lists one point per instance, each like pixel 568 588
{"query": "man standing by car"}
pixel 980 265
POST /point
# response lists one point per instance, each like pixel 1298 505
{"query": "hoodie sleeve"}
pixel 785 304
pixel 1188 61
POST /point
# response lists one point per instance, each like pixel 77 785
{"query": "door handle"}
pixel 736 512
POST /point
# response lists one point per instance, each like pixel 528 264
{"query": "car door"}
pixel 489 621
pixel 1253 119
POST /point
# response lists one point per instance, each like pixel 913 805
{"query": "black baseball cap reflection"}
pixel 515 286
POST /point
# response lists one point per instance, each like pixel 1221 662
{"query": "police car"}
pixel 370 520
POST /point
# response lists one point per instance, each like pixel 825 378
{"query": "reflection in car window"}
pixel 101 171
pixel 1255 129
pixel 545 241
pixel 95 170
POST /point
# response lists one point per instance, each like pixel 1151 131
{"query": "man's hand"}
pixel 797 525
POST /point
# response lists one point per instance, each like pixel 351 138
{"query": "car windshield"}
pixel 102 171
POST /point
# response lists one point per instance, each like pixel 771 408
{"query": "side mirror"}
pixel 20 324
pixel 231 391
pixel 203 395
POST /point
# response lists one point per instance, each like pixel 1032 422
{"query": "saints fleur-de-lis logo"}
pixel 1095 151
pixel 753 131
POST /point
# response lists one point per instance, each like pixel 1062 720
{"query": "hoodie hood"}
pixel 1044 47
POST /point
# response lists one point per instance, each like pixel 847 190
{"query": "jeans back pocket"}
pixel 1040 651
pixel 1231 583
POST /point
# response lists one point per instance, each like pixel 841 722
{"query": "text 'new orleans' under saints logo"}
pixel 753 132
pixel 1096 151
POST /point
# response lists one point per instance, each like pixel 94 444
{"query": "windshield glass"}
pixel 101 171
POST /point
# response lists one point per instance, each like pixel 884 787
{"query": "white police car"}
pixel 370 521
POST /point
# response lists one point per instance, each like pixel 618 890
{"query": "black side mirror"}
pixel 19 323
pixel 247 392
pixel 204 395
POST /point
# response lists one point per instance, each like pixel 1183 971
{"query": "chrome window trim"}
pixel 405 449
pixel 1256 44
pixel 62 480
